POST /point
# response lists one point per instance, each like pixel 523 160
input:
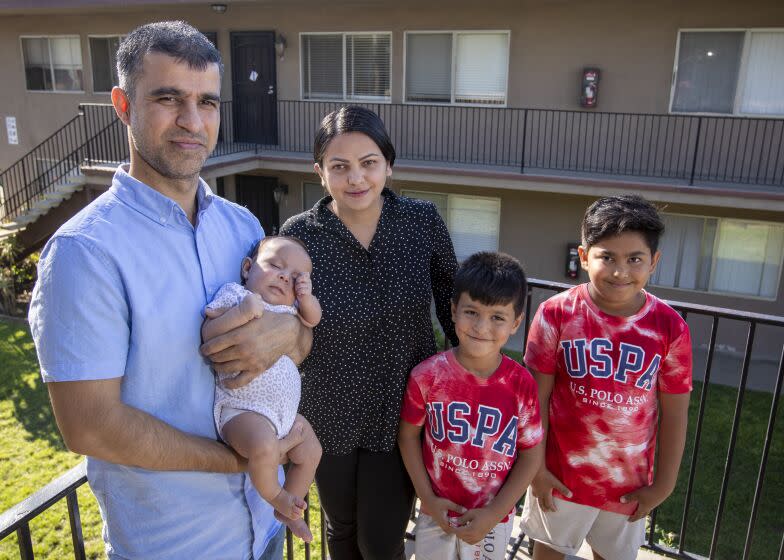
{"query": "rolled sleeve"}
pixel 79 314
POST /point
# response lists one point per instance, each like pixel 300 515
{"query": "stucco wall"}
pixel 632 43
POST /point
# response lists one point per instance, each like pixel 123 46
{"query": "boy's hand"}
pixel 439 509
pixel 302 284
pixel 542 487
pixel 647 498
pixel 475 524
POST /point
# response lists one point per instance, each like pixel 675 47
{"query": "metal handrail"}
pixel 17 518
pixel 686 148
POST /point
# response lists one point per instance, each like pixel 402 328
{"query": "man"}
pixel 116 318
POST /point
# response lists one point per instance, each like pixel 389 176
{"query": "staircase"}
pixel 52 171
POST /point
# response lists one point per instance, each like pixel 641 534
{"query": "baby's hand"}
pixel 303 285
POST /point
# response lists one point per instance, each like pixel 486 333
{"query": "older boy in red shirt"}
pixel 609 359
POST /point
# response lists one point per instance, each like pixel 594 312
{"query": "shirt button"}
pixel 163 219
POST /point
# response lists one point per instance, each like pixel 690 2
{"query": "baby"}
pixel 276 278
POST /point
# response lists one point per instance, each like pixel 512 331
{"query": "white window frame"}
pixel 744 56
pixel 408 192
pixel 710 290
pixel 90 53
pixel 51 68
pixel 343 34
pixel 454 34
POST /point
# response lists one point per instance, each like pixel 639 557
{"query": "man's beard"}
pixel 164 166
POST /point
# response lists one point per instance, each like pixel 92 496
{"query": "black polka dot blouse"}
pixel 376 317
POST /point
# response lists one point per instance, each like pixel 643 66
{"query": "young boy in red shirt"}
pixel 480 413
pixel 610 359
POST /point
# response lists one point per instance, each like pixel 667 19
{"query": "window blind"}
pixel 481 68
pixel 763 88
pixel 474 224
pixel 429 67
pixel 322 66
pixel 368 66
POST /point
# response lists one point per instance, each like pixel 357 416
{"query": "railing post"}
pixel 522 156
pixel 25 542
pixel 696 149
pixel 85 128
pixel 76 526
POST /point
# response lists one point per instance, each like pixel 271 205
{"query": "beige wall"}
pixel 633 43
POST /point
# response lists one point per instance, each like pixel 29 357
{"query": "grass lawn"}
pixel 32 454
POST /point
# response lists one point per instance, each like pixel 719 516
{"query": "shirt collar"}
pixel 151 203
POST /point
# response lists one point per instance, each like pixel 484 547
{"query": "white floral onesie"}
pixel 275 393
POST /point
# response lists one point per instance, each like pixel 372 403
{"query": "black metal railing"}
pixel 687 149
pixel 17 518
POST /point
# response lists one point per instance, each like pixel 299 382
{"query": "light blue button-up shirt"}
pixel 120 293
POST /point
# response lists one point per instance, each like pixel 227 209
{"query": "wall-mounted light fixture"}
pixel 219 8
pixel 280 45
pixel 279 192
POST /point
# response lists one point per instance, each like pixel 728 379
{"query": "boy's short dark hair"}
pixel 492 279
pixel 614 215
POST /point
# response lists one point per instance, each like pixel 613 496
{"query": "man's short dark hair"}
pixel 492 279
pixel 177 39
pixel 614 215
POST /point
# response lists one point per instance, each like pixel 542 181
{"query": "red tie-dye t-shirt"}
pixel 473 426
pixel 604 406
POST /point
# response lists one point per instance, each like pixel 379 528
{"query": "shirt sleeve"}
pixel 443 266
pixel 79 314
pixel 541 350
pixel 413 410
pixel 529 427
pixel 675 374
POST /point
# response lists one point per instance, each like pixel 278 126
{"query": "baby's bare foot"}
pixel 297 526
pixel 289 505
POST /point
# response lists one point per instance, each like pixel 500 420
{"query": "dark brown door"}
pixel 254 87
pixel 256 194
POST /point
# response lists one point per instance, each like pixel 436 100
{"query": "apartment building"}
pixel 511 116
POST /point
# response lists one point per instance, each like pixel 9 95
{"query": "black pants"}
pixel 367 498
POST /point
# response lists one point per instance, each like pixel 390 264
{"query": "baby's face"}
pixel 273 273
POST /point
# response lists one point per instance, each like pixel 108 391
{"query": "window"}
pixel 103 55
pixel 730 72
pixel 457 67
pixel 473 221
pixel 720 255
pixel 346 66
pixel 311 194
pixel 52 63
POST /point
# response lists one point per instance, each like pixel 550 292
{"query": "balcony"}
pixel 725 505
pixel 692 153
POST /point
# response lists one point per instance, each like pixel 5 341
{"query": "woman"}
pixel 378 261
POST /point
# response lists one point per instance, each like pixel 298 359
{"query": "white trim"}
pixel 454 33
pixel 736 102
pixel 343 34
